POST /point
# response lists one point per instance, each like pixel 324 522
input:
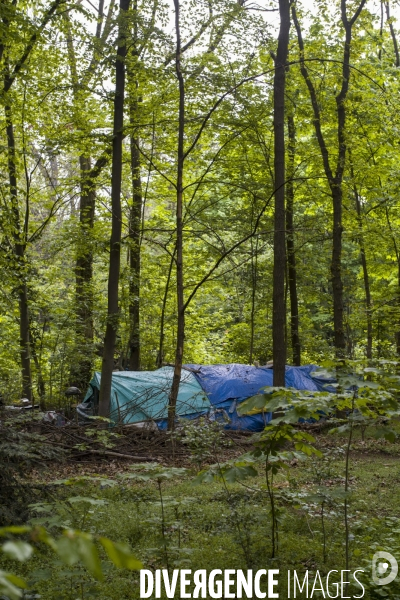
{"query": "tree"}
pixel 116 222
pixel 335 178
pixel 279 304
pixel 19 226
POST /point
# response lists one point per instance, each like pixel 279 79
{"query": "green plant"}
pixel 71 547
pixel 204 438
pixel 159 475
pixel 20 452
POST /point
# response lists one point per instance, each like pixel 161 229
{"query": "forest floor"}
pixel 224 526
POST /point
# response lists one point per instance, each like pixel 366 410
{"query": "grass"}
pixel 212 526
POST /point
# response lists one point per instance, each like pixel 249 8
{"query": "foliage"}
pixel 20 452
pixel 71 547
pixel 204 437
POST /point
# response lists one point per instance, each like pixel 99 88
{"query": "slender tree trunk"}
pixel 41 387
pixel 24 342
pixel 254 273
pixel 160 354
pixel 180 338
pixel 367 287
pixel 336 272
pixel 397 253
pixel 116 224
pixel 291 253
pixel 19 250
pixel 393 34
pixel 278 295
pixel 84 276
pixel 381 33
pixel 398 305
pixel 135 221
pixel 135 212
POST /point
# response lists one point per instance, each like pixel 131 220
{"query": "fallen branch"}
pixel 118 455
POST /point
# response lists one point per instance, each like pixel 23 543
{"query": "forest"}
pixel 198 182
pixel 169 194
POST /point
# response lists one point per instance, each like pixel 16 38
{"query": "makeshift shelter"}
pixel 141 397
pixel 228 385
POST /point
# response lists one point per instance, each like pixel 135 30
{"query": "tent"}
pixel 142 396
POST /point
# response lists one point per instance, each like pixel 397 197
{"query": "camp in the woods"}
pixel 200 299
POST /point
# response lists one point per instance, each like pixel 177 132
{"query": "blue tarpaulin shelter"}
pixel 228 385
pixel 142 396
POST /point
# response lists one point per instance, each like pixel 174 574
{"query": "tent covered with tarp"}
pixel 142 396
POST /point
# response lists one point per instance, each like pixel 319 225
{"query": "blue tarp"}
pixel 216 389
pixel 143 395
pixel 228 385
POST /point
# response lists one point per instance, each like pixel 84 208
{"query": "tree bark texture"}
pixel 116 223
pixel 291 253
pixel 135 211
pixel 180 338
pixel 84 276
pixel 278 295
pixel 19 252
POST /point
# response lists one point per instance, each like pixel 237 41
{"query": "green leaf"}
pixel 14 529
pixel 89 556
pixel 17 550
pixel 10 586
pixel 238 473
pixel 67 550
pixel 120 555
pixel 92 501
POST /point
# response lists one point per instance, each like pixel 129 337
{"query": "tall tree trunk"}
pixel 291 253
pixel 180 338
pixel 116 223
pixel 135 213
pixel 135 222
pixel 19 250
pixel 278 295
pixel 82 370
pixel 84 276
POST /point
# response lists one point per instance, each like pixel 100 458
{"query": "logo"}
pixel 380 565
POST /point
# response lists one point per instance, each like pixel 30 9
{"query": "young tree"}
pixel 334 177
